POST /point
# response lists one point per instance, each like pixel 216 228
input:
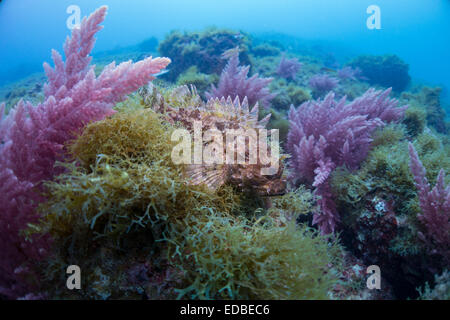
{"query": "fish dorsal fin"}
pixel 237 102
pixel 245 106
pixel 255 110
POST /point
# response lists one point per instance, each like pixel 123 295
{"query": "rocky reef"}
pixel 386 71
pixel 201 49
pixel 89 178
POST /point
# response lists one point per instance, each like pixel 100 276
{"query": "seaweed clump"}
pixel 288 95
pixel 241 259
pixel 428 100
pixel 415 121
pixel 265 50
pixel 201 49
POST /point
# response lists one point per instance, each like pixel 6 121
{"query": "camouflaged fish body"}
pixel 183 106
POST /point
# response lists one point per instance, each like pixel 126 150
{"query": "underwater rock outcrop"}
pixel 388 71
pixel 265 50
pixel 201 49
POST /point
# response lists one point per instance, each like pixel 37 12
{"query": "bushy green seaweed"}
pixel 429 100
pixel 294 203
pixel 415 120
pixel 231 258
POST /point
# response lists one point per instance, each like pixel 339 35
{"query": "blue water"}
pixel 415 30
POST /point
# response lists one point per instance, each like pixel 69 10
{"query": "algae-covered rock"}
pixel 201 49
pixel 381 206
pixel 138 228
pixel 265 50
